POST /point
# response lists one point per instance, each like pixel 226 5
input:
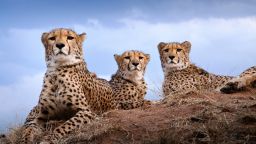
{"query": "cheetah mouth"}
pixel 61 53
pixel 133 69
pixel 172 62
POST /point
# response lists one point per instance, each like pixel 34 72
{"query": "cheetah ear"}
pixel 117 58
pixel 187 45
pixel 82 37
pixel 44 39
pixel 148 57
pixel 161 45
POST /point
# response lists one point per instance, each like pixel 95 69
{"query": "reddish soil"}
pixel 191 118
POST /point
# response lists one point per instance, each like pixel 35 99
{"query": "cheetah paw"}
pixel 49 139
pixel 253 84
pixel 231 87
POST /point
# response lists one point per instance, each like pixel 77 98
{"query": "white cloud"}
pixel 106 77
pixel 224 46
pixel 18 99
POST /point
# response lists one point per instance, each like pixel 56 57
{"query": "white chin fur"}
pixel 134 76
pixel 174 65
pixel 171 67
pixel 132 68
pixel 61 60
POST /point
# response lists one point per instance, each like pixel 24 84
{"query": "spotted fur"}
pixel 129 86
pixel 247 78
pixel 180 76
pixel 70 92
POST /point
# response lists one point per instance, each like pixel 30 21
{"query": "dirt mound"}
pixel 191 118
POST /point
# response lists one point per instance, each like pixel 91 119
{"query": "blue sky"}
pixel 222 33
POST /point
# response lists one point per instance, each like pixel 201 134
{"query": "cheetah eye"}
pixel 178 50
pixel 70 37
pixel 52 38
pixel 166 50
pixel 127 57
pixel 141 57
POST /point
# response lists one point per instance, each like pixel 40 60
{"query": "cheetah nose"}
pixel 135 64
pixel 60 45
pixel 171 57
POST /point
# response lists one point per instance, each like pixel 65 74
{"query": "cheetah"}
pixel 128 84
pixel 69 91
pixel 181 76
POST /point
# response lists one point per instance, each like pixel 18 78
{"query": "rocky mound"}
pixel 191 118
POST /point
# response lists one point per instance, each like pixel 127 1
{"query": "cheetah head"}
pixel 132 65
pixel 174 56
pixel 62 47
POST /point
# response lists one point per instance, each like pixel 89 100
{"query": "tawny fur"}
pixel 70 92
pixel 129 86
pixel 247 78
pixel 180 76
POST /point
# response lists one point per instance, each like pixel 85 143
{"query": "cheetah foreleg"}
pixel 82 117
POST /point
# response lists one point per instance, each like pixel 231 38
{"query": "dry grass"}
pixel 190 118
pixel 13 137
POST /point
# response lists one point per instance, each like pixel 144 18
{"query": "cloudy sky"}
pixel 222 33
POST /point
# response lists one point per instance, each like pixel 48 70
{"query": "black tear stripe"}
pixel 128 65
pixel 52 48
pixel 69 47
pixel 68 44
pixel 77 45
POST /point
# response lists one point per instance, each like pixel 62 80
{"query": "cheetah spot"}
pixel 69 104
pixel 45 112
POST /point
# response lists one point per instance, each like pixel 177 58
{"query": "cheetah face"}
pixel 62 47
pixel 132 64
pixel 174 56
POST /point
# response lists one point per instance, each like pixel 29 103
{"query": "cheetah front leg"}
pixel 35 126
pixel 81 117
pixel 31 127
pixel 35 121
